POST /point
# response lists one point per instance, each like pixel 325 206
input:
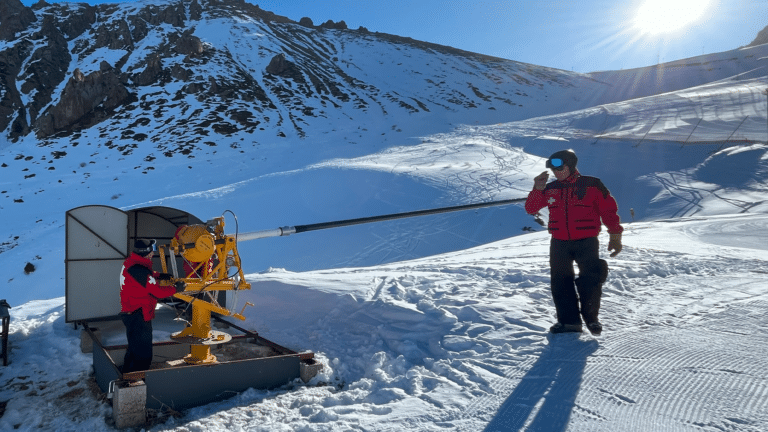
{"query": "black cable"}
pixel 237 231
pixel 237 225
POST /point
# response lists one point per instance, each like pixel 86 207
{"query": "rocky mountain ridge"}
pixel 56 83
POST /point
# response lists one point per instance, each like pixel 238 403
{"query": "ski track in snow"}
pixel 459 342
pixel 666 361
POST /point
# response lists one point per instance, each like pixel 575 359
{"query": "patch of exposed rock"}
pixel 14 17
pixel 306 22
pixel 189 44
pixel 280 66
pixel 73 24
pixel 46 68
pixel 11 107
pixel 85 101
pixel 151 74
pixel 341 25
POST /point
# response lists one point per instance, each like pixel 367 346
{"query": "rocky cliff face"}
pixel 14 18
pixel 41 56
pixel 85 101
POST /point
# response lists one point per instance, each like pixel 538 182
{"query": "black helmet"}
pixel 565 157
pixel 144 247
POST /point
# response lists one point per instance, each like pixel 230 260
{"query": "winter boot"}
pixel 565 328
pixel 595 328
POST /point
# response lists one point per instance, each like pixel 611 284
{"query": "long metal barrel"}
pixel 284 231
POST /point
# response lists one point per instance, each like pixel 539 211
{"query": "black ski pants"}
pixel 138 356
pixel 577 298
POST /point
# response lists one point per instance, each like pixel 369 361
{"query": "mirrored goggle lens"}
pixel 555 163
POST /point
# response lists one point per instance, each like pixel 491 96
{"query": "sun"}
pixel 667 16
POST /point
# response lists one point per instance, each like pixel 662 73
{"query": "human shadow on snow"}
pixel 551 385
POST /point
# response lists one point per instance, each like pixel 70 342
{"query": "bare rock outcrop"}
pixel 189 44
pixel 151 74
pixel 115 38
pixel 180 73
pixel 74 24
pixel 341 25
pixel 280 66
pixel 306 22
pixel 14 17
pixel 11 107
pixel 155 15
pixel 40 4
pixel 195 11
pixel 46 68
pixel 85 101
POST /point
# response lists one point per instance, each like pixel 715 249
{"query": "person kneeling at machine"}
pixel 139 292
pixel 577 205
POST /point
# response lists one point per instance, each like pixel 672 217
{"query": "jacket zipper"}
pixel 565 201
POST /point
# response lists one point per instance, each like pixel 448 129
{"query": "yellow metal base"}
pixel 199 334
pixel 200 354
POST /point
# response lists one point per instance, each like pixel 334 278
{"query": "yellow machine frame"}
pixel 215 254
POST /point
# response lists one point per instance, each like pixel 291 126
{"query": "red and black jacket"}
pixel 576 207
pixel 139 288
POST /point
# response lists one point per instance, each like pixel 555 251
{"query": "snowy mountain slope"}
pixel 211 62
pixel 269 187
pixel 724 111
pixel 738 64
pixel 458 341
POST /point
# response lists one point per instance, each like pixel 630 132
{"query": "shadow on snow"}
pixel 546 395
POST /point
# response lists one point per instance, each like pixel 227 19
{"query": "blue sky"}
pixel 583 35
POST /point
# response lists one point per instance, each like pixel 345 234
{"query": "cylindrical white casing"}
pixel 277 232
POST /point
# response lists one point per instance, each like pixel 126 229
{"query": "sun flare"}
pixel 666 16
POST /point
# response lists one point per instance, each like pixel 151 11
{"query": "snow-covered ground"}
pixel 459 342
pixel 440 322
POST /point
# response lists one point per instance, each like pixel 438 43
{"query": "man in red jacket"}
pixel 139 293
pixel 577 205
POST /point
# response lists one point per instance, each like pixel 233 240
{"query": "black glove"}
pixel 164 276
pixel 180 286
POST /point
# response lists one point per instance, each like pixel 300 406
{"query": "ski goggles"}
pixel 147 248
pixel 556 164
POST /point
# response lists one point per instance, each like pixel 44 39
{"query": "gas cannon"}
pixel 209 257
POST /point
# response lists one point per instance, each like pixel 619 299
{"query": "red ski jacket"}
pixel 576 207
pixel 139 288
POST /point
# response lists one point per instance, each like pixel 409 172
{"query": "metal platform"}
pixel 246 361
